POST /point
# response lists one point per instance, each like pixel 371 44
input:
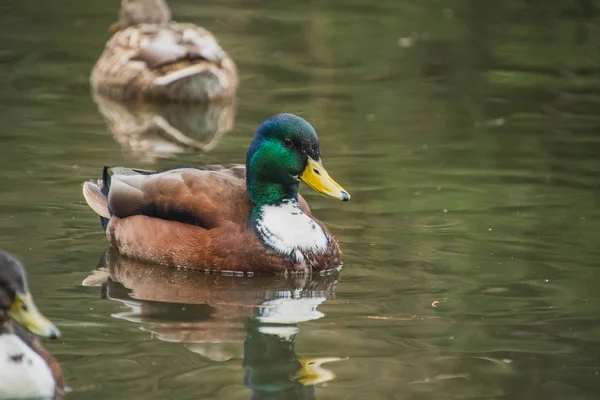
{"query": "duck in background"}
pixel 151 57
pixel 27 369
pixel 249 219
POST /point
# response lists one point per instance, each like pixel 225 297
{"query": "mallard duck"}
pixel 238 218
pixel 27 369
pixel 150 56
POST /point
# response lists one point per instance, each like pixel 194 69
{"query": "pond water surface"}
pixel 467 133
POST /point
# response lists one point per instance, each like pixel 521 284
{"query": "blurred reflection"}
pixel 274 371
pixel 225 317
pixel 150 130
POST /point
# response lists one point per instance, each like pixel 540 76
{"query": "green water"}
pixel 467 134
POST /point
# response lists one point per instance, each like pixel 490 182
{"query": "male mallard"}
pixel 149 56
pixel 27 369
pixel 232 218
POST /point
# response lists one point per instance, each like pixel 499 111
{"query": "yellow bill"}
pixel 316 176
pixel 24 311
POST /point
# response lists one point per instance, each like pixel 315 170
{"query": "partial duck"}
pixel 152 130
pixel 27 369
pixel 238 218
pixel 151 57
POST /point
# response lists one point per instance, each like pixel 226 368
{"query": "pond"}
pixel 467 133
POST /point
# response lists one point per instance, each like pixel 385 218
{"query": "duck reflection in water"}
pixel 221 317
pixel 274 370
pixel 150 130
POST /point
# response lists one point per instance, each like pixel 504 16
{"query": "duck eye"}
pixel 287 142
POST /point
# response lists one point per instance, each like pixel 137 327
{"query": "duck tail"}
pixel 105 182
pixel 100 275
pixel 95 193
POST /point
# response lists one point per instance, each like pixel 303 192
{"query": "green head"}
pixel 284 151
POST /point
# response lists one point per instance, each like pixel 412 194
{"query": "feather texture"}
pixel 197 218
pixel 169 61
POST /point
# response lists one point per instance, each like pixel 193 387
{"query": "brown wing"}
pixel 206 197
pixel 178 42
pixel 203 197
pixel 147 51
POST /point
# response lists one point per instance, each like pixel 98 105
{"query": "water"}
pixel 467 134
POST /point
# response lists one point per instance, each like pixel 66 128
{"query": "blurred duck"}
pixel 312 372
pixel 148 131
pixel 226 218
pixel 27 369
pixel 151 57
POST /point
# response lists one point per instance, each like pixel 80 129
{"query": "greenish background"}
pixel 466 132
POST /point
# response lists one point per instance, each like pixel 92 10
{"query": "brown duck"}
pixel 151 57
pixel 236 218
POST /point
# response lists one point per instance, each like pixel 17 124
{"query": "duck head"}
pixel 135 12
pixel 284 151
